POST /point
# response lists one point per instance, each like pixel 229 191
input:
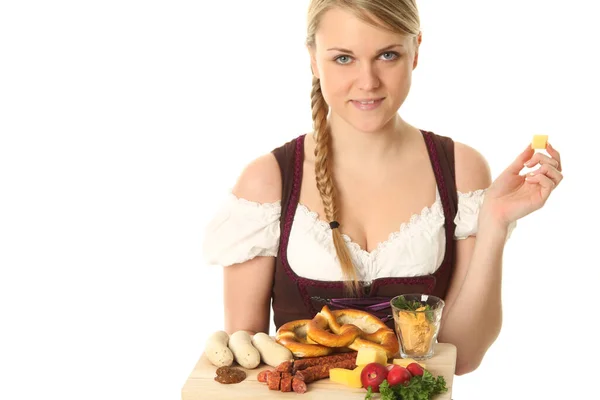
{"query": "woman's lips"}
pixel 367 104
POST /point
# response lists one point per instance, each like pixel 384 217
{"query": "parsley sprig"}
pixel 414 305
pixel 419 388
pixel 411 305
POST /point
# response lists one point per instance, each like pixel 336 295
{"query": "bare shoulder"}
pixel 472 169
pixel 260 180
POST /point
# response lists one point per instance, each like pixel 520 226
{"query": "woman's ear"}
pixel 417 45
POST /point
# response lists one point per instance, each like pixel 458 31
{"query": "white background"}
pixel 123 125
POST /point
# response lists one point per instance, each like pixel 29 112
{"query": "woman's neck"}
pixel 350 145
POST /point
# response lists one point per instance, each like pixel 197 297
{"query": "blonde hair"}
pixel 400 16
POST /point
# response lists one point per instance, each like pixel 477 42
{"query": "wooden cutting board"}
pixel 201 384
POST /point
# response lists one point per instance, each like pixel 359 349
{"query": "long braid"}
pixel 325 185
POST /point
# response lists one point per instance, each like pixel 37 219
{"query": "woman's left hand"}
pixel 512 196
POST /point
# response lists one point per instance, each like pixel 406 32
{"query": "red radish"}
pixel 415 369
pixel 398 375
pixel 372 375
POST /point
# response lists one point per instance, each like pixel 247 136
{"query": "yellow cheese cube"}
pixel 539 141
pixel 367 355
pixel 358 369
pixel 405 361
pixel 346 377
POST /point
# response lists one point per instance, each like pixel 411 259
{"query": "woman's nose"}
pixel 367 77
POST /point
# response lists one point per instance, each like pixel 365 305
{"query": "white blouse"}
pixel 242 230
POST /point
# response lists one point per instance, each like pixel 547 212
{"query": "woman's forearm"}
pixel 474 320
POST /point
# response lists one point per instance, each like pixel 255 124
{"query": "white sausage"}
pixel 243 351
pixel 271 352
pixel 217 349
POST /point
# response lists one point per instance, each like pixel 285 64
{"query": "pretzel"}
pixel 293 336
pixel 372 332
pixel 325 329
pixel 337 331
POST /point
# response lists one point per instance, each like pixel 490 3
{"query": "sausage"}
pixel 285 366
pixel 262 376
pixel 243 351
pixel 228 375
pixel 271 352
pixel 286 383
pixel 317 372
pixel 273 380
pixel 223 370
pixel 273 373
pixel 217 351
pixel 312 361
pixel 286 375
pixel 298 385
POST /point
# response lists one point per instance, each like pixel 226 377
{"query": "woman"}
pixel 316 220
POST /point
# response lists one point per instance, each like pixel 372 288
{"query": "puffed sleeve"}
pixel 469 205
pixel 242 230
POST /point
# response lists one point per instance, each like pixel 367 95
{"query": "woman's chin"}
pixel 371 125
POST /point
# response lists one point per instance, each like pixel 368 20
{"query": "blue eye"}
pixel 390 55
pixel 342 60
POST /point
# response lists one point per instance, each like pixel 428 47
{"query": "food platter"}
pixel 201 384
pixel 339 354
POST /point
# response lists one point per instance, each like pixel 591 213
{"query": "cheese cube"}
pixel 403 362
pixel 367 355
pixel 358 369
pixel 346 377
pixel 539 141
